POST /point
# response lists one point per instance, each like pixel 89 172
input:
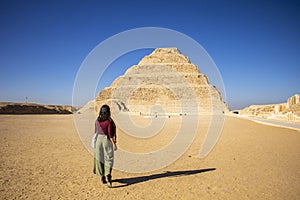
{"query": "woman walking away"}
pixel 105 145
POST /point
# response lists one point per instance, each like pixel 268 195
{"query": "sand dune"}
pixel 42 157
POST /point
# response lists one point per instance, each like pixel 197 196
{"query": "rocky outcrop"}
pixel 32 108
pixel 163 82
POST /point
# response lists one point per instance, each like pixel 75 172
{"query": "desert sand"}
pixel 42 157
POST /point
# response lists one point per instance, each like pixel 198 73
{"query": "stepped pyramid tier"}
pixel 164 82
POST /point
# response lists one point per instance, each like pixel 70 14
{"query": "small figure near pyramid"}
pixel 163 83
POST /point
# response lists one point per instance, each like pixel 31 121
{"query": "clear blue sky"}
pixel 255 44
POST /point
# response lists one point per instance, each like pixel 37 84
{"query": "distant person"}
pixel 105 145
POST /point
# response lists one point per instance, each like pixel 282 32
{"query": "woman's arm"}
pixel 111 135
pixel 114 144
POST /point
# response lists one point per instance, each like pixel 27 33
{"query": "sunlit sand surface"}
pixel 42 157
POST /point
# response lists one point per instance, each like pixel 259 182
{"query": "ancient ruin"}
pixel 288 111
pixel 163 83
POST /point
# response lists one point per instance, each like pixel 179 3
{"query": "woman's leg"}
pixel 99 157
pixel 108 156
pixel 108 160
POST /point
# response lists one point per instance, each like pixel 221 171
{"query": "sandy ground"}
pixel 42 157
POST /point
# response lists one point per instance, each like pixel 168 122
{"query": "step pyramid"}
pixel 163 83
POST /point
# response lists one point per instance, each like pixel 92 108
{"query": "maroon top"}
pixel 105 128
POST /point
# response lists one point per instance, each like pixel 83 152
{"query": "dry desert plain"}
pixel 42 157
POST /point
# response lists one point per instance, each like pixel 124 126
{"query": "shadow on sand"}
pixel 139 179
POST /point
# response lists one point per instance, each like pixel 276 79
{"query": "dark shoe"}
pixel 109 182
pixel 103 180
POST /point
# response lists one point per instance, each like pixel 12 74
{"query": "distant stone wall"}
pixel 293 100
pixel 260 110
pixel 294 108
pixel 289 111
pixel 293 105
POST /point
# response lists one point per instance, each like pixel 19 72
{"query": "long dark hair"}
pixel 104 113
